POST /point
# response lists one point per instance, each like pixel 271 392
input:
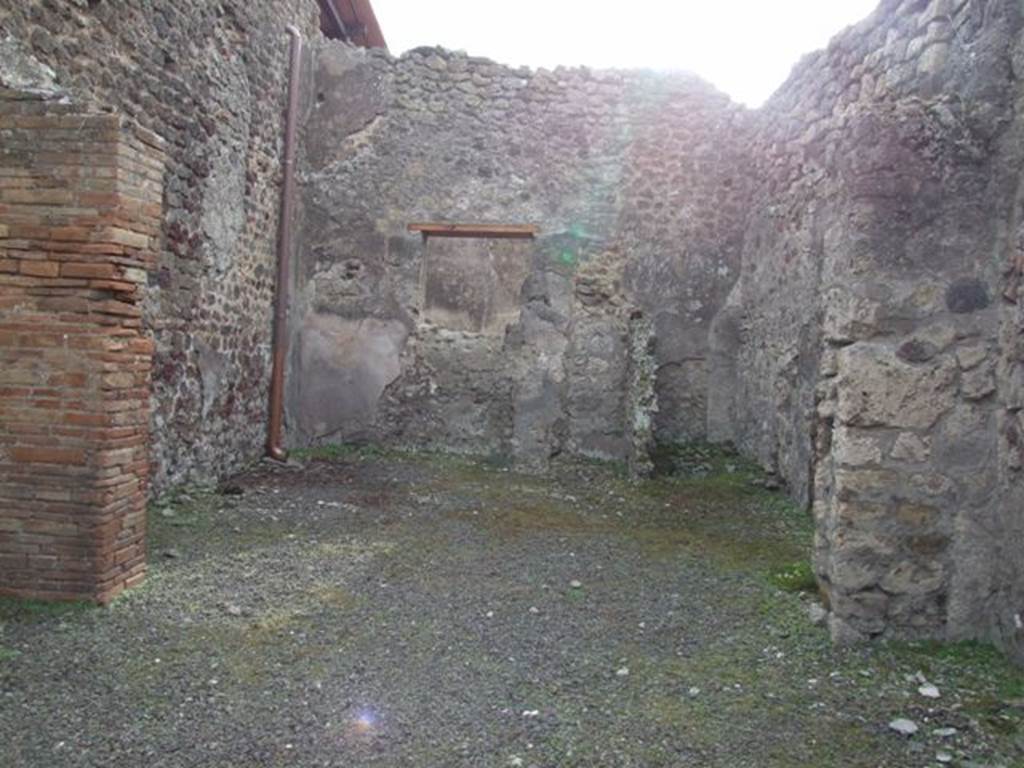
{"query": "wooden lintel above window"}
pixel 474 230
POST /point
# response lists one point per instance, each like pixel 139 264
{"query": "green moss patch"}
pixel 22 610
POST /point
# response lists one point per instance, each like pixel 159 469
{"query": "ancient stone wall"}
pixel 830 283
pixel 858 351
pixel 210 79
pixel 509 346
pixel 1003 524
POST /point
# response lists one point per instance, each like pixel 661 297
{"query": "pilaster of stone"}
pixel 641 397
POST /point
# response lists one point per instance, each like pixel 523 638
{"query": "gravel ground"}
pixel 407 610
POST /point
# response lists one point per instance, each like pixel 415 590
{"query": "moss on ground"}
pixel 758 684
pixel 347 451
pixel 201 519
pixel 15 609
pixel 724 513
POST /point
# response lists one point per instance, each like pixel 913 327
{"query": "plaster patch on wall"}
pixel 223 208
pixel 20 71
pixel 344 367
pixel 474 284
pixel 211 372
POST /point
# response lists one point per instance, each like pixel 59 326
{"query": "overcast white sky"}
pixel 745 47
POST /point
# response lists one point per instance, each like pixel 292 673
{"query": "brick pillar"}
pixel 80 211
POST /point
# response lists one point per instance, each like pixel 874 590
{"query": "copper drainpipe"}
pixel 275 449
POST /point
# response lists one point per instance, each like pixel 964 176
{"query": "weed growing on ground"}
pixel 797 577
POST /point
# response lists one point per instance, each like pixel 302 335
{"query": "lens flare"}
pixel 364 722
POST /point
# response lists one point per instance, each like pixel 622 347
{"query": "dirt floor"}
pixel 376 609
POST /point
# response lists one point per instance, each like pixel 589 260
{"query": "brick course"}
pixel 80 212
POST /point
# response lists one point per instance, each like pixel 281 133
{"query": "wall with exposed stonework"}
pixel 829 283
pixel 870 349
pixel 631 179
pixel 210 79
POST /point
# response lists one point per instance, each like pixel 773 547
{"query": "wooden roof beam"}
pixel 438 229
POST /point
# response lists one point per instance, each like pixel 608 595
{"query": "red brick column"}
pixel 80 211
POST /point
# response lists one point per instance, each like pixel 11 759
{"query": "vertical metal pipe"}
pixel 275 448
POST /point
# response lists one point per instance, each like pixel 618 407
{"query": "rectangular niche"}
pixel 473 277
